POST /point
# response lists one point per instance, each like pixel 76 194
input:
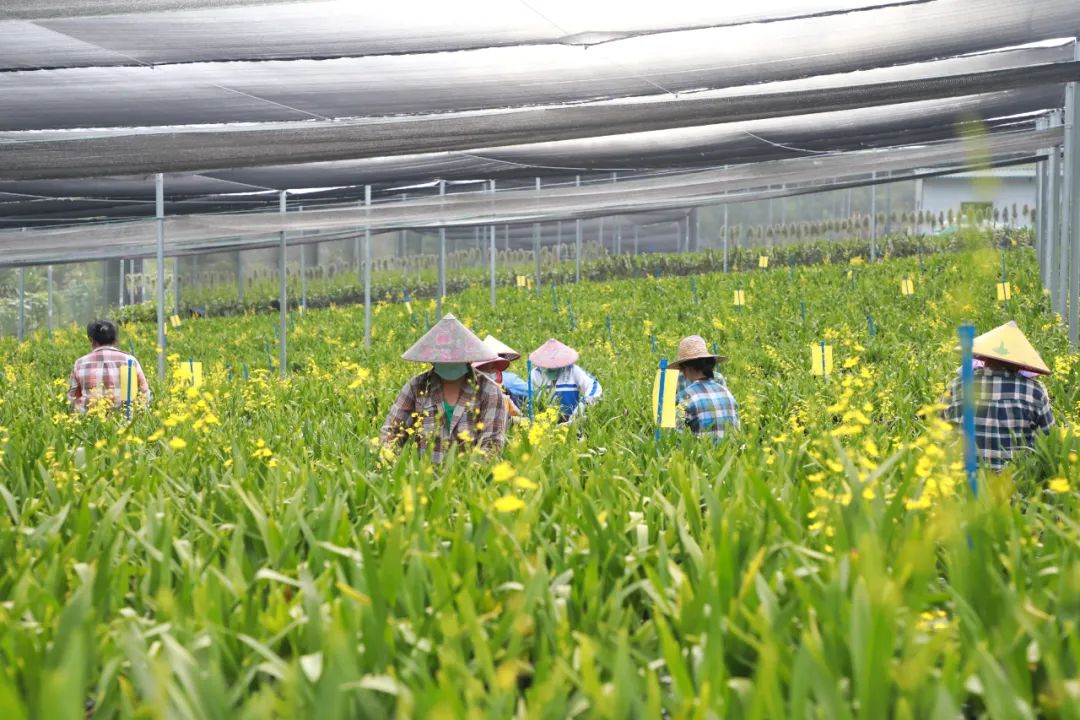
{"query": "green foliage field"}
pixel 246 552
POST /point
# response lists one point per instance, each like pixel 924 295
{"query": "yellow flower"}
pixel 177 443
pixel 525 484
pixel 1059 485
pixel 502 472
pixel 509 504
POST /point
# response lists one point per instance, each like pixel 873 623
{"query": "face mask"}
pixel 552 374
pixel 451 371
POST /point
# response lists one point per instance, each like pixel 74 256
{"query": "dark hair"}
pixel 102 332
pixel 703 365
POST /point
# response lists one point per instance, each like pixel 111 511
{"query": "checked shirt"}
pixel 97 375
pixel 479 418
pixel 1009 410
pixel 708 407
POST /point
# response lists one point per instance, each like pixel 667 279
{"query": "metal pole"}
pixel 442 253
pixel 367 267
pixel 873 217
pixel 176 285
pixel 22 304
pixel 240 276
pixel 1071 199
pixel 536 243
pixel 122 284
pixel 1053 216
pixel 577 239
pixel 283 294
pixel 1040 211
pixel 726 232
pixel 636 229
pixel 159 204
pixel 49 290
pixel 303 270
pixel 492 252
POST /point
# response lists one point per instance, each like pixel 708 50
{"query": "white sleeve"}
pixel 588 386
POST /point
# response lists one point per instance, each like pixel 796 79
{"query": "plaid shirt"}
pixel 97 375
pixel 707 407
pixel 480 416
pixel 1009 409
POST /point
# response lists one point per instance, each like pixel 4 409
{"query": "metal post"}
pixel 492 251
pixel 873 216
pixel 637 228
pixel 1053 216
pixel 283 294
pixel 577 239
pixel 22 304
pixel 240 276
pixel 536 243
pixel 176 285
pixel 1071 199
pixel 303 270
pixel 442 252
pixel 49 292
pixel 726 232
pixel 159 204
pixel 1040 211
pixel 367 267
pixel 122 284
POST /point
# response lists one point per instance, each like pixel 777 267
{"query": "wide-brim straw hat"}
pixel 1008 344
pixel 694 348
pixel 553 354
pixel 506 355
pixel 449 342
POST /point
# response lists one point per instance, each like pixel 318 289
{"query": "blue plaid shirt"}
pixel 1009 410
pixel 707 407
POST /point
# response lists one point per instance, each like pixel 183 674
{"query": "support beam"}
pixel 49 294
pixel 159 212
pixel 367 270
pixel 577 239
pixel 283 291
pixel 22 304
pixel 1040 212
pixel 492 251
pixel 442 255
pixel 637 228
pixel 873 217
pixel 176 285
pixel 1053 217
pixel 303 270
pixel 536 245
pixel 240 279
pixel 1071 200
pixel 726 232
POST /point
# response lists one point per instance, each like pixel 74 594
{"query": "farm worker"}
pixel 96 375
pixel 495 370
pixel 555 369
pixel 706 406
pixel 448 404
pixel 1011 406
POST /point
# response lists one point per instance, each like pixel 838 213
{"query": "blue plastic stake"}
pixel 852 279
pixel 652 340
pixel 243 366
pixel 131 362
pixel 693 282
pixel 528 373
pixel 791 269
pixel 609 328
pixel 870 320
pixel 570 310
pixel 229 375
pixel 131 346
pixel 554 299
pixel 967 382
pixel 191 367
pixel 269 359
pixel 822 360
pixel 802 310
pixel 660 397
pixel 714 349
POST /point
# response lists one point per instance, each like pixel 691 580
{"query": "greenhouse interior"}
pixel 168 164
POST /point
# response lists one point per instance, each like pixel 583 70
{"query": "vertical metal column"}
pixel 873 216
pixel 49 293
pixel 636 229
pixel 367 267
pixel 159 206
pixel 122 284
pixel 283 292
pixel 577 239
pixel 442 252
pixel 176 285
pixel 1071 199
pixel 303 269
pixel 726 232
pixel 240 279
pixel 536 242
pixel 491 231
pixel 22 305
pixel 1061 232
pixel 1053 216
pixel 1040 211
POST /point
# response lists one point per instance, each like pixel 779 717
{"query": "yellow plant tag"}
pixel 907 287
pixel 175 320
pixel 190 373
pixel 521 280
pixel 740 298
pixel 671 387
pixel 821 362
pixel 763 261
pixel 1004 291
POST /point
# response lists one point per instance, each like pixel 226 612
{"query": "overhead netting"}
pixel 236 100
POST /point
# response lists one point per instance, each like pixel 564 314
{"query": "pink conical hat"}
pixel 553 354
pixel 448 342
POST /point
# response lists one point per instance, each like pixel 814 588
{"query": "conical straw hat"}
pixel 502 348
pixel 694 348
pixel 448 342
pixel 1007 344
pixel 553 354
